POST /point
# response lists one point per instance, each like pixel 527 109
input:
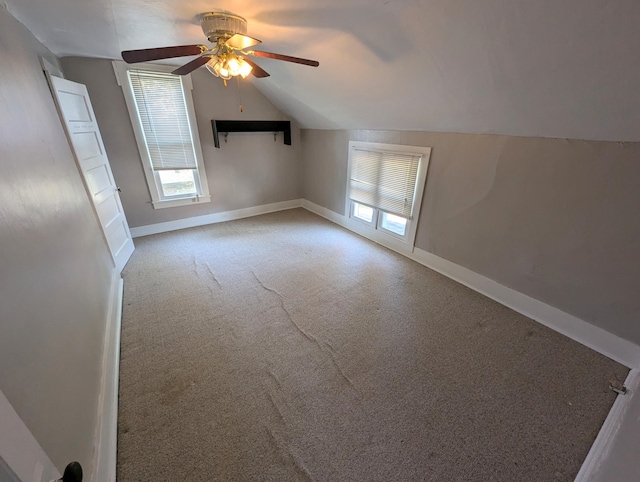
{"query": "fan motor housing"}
pixel 222 24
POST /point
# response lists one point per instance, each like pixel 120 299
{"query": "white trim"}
pixel 107 426
pixel 158 200
pixel 183 201
pixel 214 218
pixel 603 445
pixel 608 344
pixel 20 450
pixel 325 213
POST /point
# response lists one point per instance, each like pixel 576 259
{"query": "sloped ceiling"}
pixel 568 68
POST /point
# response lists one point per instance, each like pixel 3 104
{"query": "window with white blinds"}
pixel 384 190
pixel 384 180
pixel 163 116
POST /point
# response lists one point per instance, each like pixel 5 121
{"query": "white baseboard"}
pixel 107 426
pixel 324 212
pixel 599 457
pixel 596 338
pixel 608 344
pixel 214 218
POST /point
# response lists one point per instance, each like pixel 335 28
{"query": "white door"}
pixel 82 130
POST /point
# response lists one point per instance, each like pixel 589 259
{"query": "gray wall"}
pixel 55 270
pixel 556 219
pixel 248 170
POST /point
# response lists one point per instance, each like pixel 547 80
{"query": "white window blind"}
pixel 384 180
pixel 164 119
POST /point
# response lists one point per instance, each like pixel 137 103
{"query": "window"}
pixel 393 223
pixel 384 190
pixel 363 213
pixel 163 118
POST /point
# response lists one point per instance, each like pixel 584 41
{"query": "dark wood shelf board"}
pixel 250 126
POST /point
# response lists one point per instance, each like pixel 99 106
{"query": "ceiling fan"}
pixel 229 55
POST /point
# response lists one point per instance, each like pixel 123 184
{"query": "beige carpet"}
pixel 283 347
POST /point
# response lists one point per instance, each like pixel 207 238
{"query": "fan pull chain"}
pixel 239 93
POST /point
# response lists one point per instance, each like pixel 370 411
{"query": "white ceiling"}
pixel 553 68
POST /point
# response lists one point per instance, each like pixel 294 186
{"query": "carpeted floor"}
pixel 283 348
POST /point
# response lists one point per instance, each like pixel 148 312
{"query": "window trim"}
pixel 158 200
pixel 373 230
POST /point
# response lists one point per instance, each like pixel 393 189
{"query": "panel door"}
pixel 82 130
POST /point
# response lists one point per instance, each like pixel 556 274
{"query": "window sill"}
pixel 183 201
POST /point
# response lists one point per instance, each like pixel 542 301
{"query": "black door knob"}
pixel 72 473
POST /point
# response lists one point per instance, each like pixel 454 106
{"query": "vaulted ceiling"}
pixel 568 68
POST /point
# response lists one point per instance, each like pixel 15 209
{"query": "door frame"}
pixel 20 450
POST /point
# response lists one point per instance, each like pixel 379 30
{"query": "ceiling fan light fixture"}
pixel 222 24
pixel 245 68
pixel 211 66
pixel 218 68
pixel 228 66
pixel 222 70
pixel 228 57
pixel 233 66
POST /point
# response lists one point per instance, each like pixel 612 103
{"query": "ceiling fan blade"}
pixel 286 58
pixel 191 66
pixel 145 55
pixel 257 71
pixel 239 41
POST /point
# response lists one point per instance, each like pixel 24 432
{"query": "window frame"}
pixel 374 229
pixel 158 199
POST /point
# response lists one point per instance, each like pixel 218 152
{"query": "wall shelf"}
pixel 227 126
